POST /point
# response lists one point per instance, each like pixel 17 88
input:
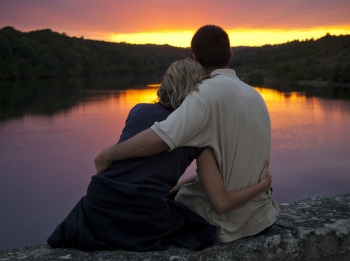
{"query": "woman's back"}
pixel 154 175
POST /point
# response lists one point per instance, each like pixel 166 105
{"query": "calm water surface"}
pixel 48 144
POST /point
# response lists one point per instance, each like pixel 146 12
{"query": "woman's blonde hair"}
pixel 181 78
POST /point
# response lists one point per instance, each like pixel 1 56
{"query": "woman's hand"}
pixel 265 179
pixel 213 184
pixel 182 182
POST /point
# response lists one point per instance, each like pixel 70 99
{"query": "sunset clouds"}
pixel 173 22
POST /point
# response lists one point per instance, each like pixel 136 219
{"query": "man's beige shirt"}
pixel 230 117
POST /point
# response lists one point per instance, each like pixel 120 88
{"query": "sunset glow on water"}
pixel 47 161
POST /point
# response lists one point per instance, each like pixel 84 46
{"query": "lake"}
pixel 50 133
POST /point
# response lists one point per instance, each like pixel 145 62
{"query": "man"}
pixel 230 117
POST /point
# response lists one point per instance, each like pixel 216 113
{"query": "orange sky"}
pixel 173 22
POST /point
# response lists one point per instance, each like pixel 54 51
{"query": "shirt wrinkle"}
pixel 231 113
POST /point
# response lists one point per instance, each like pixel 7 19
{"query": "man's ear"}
pixel 231 54
pixel 194 57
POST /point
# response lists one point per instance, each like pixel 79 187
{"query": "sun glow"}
pixel 248 37
pixel 238 37
pixel 131 97
pixel 177 38
pixel 271 96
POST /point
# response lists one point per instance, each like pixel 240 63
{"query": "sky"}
pixel 173 22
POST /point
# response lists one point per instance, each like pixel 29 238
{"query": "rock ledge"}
pixel 310 229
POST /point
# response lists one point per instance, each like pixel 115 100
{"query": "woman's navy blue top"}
pixel 154 175
pixel 126 206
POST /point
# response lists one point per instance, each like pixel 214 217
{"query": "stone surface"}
pixel 311 229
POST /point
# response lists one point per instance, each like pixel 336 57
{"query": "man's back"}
pixel 232 118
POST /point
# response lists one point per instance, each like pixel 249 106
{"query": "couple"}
pixel 125 205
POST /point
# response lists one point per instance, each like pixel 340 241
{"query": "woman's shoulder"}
pixel 142 105
pixel 146 109
pixel 141 117
pixel 150 106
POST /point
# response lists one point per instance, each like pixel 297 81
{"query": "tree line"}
pixel 326 60
pixel 44 54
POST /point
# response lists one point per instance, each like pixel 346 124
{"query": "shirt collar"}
pixel 228 72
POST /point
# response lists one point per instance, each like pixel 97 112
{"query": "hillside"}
pixel 46 54
pixel 326 59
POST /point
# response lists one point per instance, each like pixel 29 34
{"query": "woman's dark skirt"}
pixel 107 219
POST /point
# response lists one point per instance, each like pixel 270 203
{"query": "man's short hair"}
pixel 211 46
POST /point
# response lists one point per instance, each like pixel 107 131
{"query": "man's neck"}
pixel 211 70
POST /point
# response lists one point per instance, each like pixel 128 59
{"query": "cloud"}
pixel 96 19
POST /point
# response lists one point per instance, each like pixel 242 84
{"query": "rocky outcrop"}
pixel 311 229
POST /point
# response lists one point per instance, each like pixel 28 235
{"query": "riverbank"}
pixel 311 229
pixel 324 84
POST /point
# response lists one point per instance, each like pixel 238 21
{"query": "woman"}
pixel 126 206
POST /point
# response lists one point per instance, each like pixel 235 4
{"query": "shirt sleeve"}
pixel 184 124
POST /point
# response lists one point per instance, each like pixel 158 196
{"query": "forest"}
pixel 323 60
pixel 44 54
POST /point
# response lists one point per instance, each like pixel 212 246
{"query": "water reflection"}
pixel 310 145
pixel 49 97
pixel 48 142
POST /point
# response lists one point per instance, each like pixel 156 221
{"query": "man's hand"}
pixel 103 160
pixel 146 143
